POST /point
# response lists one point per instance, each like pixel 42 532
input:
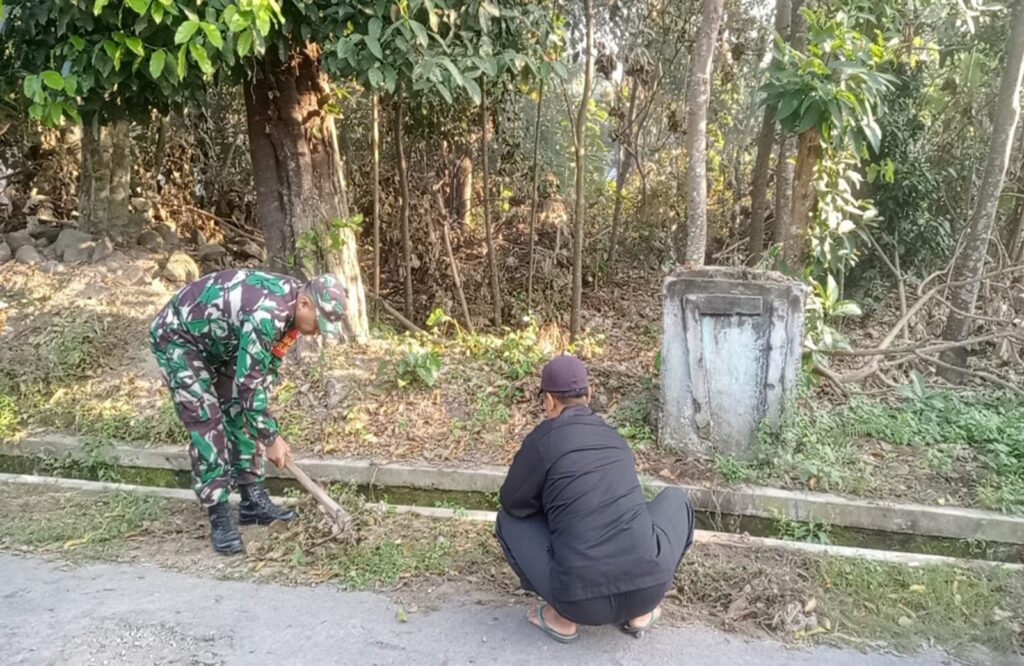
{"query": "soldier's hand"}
pixel 279 453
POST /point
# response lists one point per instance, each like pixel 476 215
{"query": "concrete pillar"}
pixel 731 345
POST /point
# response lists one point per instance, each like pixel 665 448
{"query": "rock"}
pixel 211 251
pixel 77 254
pixel 151 240
pixel 52 268
pixel 48 252
pixel 47 231
pixel 180 269
pixel 251 249
pixel 17 239
pixel 70 238
pixel 168 235
pixel 198 238
pixel 5 253
pixel 135 275
pixel 26 254
pixel 104 248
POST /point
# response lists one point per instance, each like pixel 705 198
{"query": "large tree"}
pixel 692 253
pixel 969 266
pixel 105 57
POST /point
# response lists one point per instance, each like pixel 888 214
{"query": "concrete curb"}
pixel 700 536
pixel 764 502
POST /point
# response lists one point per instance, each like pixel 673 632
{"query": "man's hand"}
pixel 279 453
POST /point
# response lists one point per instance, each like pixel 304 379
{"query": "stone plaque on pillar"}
pixel 731 345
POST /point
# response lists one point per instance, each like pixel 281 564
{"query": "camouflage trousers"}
pixel 220 448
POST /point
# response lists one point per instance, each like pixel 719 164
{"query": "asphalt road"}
pixel 115 614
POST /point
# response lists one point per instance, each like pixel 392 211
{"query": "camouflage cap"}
pixel 329 297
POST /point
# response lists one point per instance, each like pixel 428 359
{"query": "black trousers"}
pixel 527 546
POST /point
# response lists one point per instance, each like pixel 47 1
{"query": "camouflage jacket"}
pixel 241 321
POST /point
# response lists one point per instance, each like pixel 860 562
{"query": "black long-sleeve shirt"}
pixel 577 471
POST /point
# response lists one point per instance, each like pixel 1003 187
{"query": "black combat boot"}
pixel 256 507
pixel 223 533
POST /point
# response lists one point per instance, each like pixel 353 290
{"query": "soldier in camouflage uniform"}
pixel 219 343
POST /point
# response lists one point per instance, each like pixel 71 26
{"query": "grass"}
pixel 821 446
pixel 95 527
pixel 907 606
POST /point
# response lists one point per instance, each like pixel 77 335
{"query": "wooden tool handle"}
pixel 316 491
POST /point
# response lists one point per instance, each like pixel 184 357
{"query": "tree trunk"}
pixel 301 201
pixel 492 259
pixel 534 196
pixel 784 164
pixel 580 207
pixel 970 263
pixel 623 163
pixel 375 148
pixel 462 191
pixel 453 265
pixel 765 143
pixel 121 182
pixel 105 181
pixel 89 216
pixel 795 234
pixel 783 189
pixel 403 181
pixel 696 135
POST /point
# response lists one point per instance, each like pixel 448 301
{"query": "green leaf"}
pixel 374 47
pixel 134 45
pixel 158 13
pixel 490 8
pixel 53 79
pixel 156 63
pixel 453 70
pixel 98 6
pixel 31 86
pixel 421 32
pixel 198 52
pixel 244 43
pixel 787 106
pixel 846 309
pixel 71 84
pixel 390 78
pixel 441 88
pixel 831 290
pixel 185 31
pixel 213 34
pixel 77 42
pixel 182 63
pixel 473 89
pixel 373 30
pixel 263 23
pixel 375 76
pixel 873 133
pixel 139 6
pixel 36 111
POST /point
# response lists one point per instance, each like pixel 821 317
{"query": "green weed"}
pixel 813 531
pixel 8 417
pixel 731 469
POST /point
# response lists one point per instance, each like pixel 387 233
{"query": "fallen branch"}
pixel 217 218
pixel 831 378
pixel 926 345
pixel 395 313
pixel 989 377
pixel 863 373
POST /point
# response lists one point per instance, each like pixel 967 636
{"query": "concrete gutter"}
pixel 700 536
pixel 759 501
